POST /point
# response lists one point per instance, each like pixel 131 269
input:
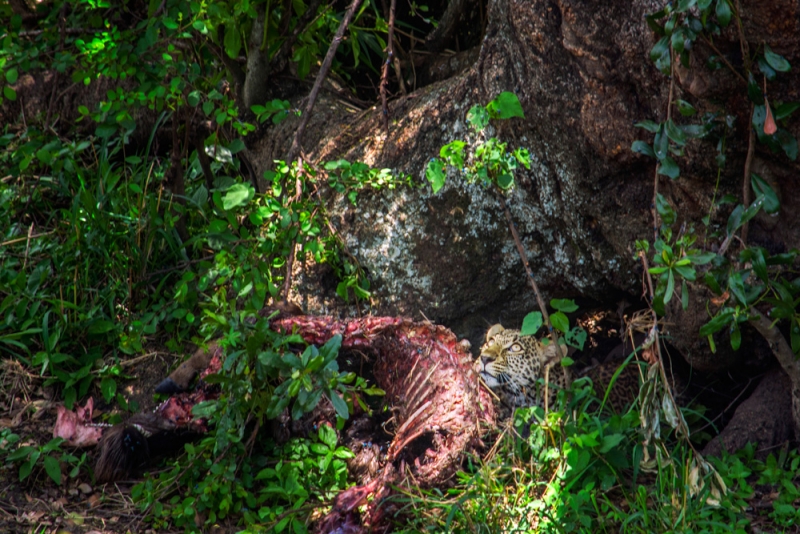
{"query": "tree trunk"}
pixel 583 77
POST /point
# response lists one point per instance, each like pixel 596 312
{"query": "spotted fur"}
pixel 512 364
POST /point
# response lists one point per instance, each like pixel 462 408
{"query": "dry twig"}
pixel 323 72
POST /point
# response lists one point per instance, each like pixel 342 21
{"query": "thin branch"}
pixel 748 163
pixel 389 60
pixel 68 31
pixel 24 238
pixel 298 184
pixel 524 257
pixel 748 64
pixel 323 72
pixel 722 57
pixel 656 218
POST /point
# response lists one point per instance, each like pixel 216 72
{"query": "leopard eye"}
pixel 516 347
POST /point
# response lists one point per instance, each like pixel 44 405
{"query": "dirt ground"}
pixel 77 506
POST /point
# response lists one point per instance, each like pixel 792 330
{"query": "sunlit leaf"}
pixel 434 172
pixel 505 106
pixel 237 195
pixel 531 324
pixel 560 322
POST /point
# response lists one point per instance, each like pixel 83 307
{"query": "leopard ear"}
pixel 494 330
pixel 551 354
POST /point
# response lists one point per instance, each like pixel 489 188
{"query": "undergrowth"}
pixel 95 271
pixel 576 469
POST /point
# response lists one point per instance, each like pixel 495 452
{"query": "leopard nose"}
pixel 485 360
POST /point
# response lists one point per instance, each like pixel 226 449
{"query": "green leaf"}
pixel 237 145
pixel 11 75
pixel 676 41
pixel 648 125
pixel 435 174
pixel 233 42
pixel 44 156
pixel 237 195
pixel 664 210
pixel 104 131
pixel 686 272
pixel 505 106
pixel 339 404
pixel 523 156
pixel 576 337
pixel 101 326
pixel 788 143
pixel 564 305
pixel 478 117
pixel 453 153
pixel 736 337
pixel 759 264
pixel 786 109
pixel 717 323
pixel 193 98
pixel 675 134
pixel 9 93
pixel 754 92
pixel 531 324
pixel 330 350
pixel 768 72
pixel 736 285
pixel 670 287
pixel 685 108
pixel 108 387
pixel 776 61
pixel 762 188
pixel 669 168
pixel 643 148
pixel 785 258
pixel 684 296
pixel 701 258
pixel 652 21
pixel 712 283
pixel 659 54
pixel 53 469
pixel 609 442
pixel 734 220
pixel 752 210
pixel 560 322
pixel 327 435
pixel 25 470
pixel 505 181
pixel 661 143
pixel 723 13
pixel 695 130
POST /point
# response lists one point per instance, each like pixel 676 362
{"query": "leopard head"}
pixel 511 364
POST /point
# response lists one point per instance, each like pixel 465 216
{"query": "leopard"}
pixel 511 365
